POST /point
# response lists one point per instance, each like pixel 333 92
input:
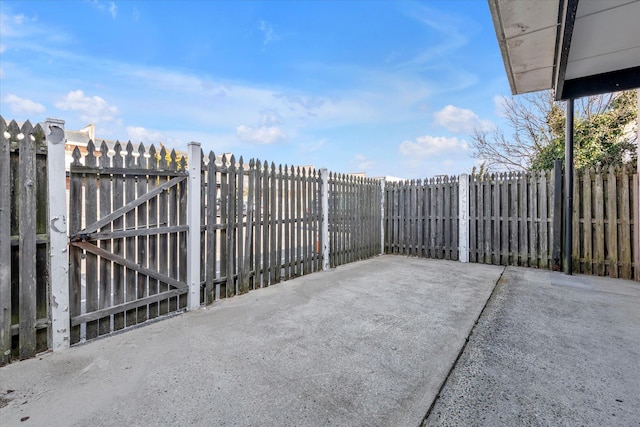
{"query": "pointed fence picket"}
pixel 260 225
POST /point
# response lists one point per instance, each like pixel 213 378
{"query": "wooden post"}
pixel 193 222
pixel 324 222
pixel 463 209
pixel 58 260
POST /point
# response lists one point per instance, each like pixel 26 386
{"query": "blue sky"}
pixel 386 88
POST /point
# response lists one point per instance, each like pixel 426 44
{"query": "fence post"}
pixel 59 254
pixel 463 226
pixel 382 218
pixel 324 223
pixel 194 202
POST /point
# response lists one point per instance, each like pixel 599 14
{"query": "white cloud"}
pixel 363 163
pixel 430 145
pixel 112 9
pixel 269 35
pixel 270 118
pixel 140 134
pixel 261 135
pixel 92 109
pixel 22 105
pixel 2 48
pixel 461 120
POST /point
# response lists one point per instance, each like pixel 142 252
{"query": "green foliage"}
pixel 604 132
pixel 599 136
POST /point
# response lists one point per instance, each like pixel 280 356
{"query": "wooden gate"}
pixel 128 238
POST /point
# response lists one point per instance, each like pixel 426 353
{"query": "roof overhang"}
pixel 576 47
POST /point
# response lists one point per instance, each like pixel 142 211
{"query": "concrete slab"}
pixel 549 349
pixel 369 343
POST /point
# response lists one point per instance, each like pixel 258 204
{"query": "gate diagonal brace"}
pixel 131 265
pixel 127 208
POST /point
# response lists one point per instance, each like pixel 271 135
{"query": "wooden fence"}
pixel 24 237
pixel 510 219
pixel 354 218
pixel 604 223
pixel 422 218
pixel 260 225
pixel 515 219
pixel 127 237
pixel 130 217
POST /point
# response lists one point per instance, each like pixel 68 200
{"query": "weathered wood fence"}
pixel 604 223
pixel 252 225
pixel 24 238
pixel 510 219
pixel 128 235
pixel 260 225
pixel 515 219
pixel 355 218
pixel 422 218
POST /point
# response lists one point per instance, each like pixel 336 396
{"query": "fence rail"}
pixel 24 239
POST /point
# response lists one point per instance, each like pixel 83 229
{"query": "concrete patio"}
pixel 367 344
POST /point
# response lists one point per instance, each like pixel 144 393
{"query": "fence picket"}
pixel 5 244
pixel 91 261
pixel 153 238
pixel 141 220
pixel 611 225
pixel 599 254
pixel 625 227
pixel 543 260
pixel 163 239
pixel 587 221
pixel 75 254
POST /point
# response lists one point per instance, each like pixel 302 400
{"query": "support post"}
pixel 556 250
pixel 382 218
pixel 568 189
pixel 193 222
pixel 58 250
pixel 324 222
pixel 463 215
